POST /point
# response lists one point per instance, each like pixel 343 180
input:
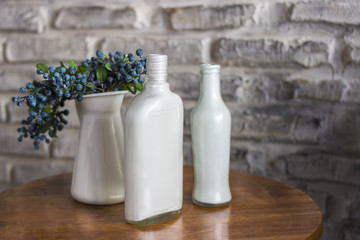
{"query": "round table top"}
pixel 261 208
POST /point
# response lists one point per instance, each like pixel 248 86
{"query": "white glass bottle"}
pixel 210 133
pixel 154 149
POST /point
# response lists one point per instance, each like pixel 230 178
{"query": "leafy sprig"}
pixel 45 98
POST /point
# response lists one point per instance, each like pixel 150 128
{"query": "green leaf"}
pixel 125 59
pixel 101 74
pixel 43 67
pixel 90 84
pixel 62 64
pixel 47 108
pixel 103 56
pixel 44 128
pixel 57 69
pixel 108 67
pixel 82 69
pixel 131 87
pixel 139 87
pixel 72 63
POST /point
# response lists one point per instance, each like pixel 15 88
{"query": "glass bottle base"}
pixel 155 219
pixel 202 204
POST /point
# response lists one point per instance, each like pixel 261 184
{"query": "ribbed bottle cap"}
pixel 209 68
pixel 157 67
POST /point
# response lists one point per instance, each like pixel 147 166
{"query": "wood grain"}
pixel 261 209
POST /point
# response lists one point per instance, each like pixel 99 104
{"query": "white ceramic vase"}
pixel 154 149
pixel 98 176
pixel 210 133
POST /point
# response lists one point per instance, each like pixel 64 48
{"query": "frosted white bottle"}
pixel 210 134
pixel 153 149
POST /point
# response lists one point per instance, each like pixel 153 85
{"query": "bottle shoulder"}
pixel 148 102
pixel 205 105
pixel 206 110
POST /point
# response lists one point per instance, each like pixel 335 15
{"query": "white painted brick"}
pixel 206 18
pixel 12 77
pixel 25 171
pixel 321 166
pixel 5 171
pixel 271 14
pixel 352 73
pixel 2 41
pixel 65 145
pixel 15 113
pixel 264 52
pixel 307 129
pixel 4 101
pixel 257 89
pixel 10 145
pixel 325 90
pixel 47 49
pixel 353 40
pixel 23 18
pixel 179 50
pixel 342 11
pixel 93 17
pixel 311 75
pixel 351 92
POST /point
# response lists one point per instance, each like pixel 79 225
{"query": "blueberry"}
pixel 73 69
pixel 131 57
pixel 52 69
pixel 23 90
pixel 140 52
pixel 33 113
pixel 29 86
pixel 79 87
pixel 67 94
pixel 14 99
pixel 32 103
pixel 48 93
pixel 99 53
pixel 85 64
pixel 39 71
pixel 128 78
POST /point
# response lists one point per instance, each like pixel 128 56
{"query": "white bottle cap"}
pixel 157 67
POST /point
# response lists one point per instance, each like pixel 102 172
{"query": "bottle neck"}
pixel 157 68
pixel 210 86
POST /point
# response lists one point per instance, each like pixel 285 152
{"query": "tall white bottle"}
pixel 154 149
pixel 210 135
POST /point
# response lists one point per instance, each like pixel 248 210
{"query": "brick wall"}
pixel 290 75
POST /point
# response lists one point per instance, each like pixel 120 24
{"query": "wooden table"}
pixel 261 209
